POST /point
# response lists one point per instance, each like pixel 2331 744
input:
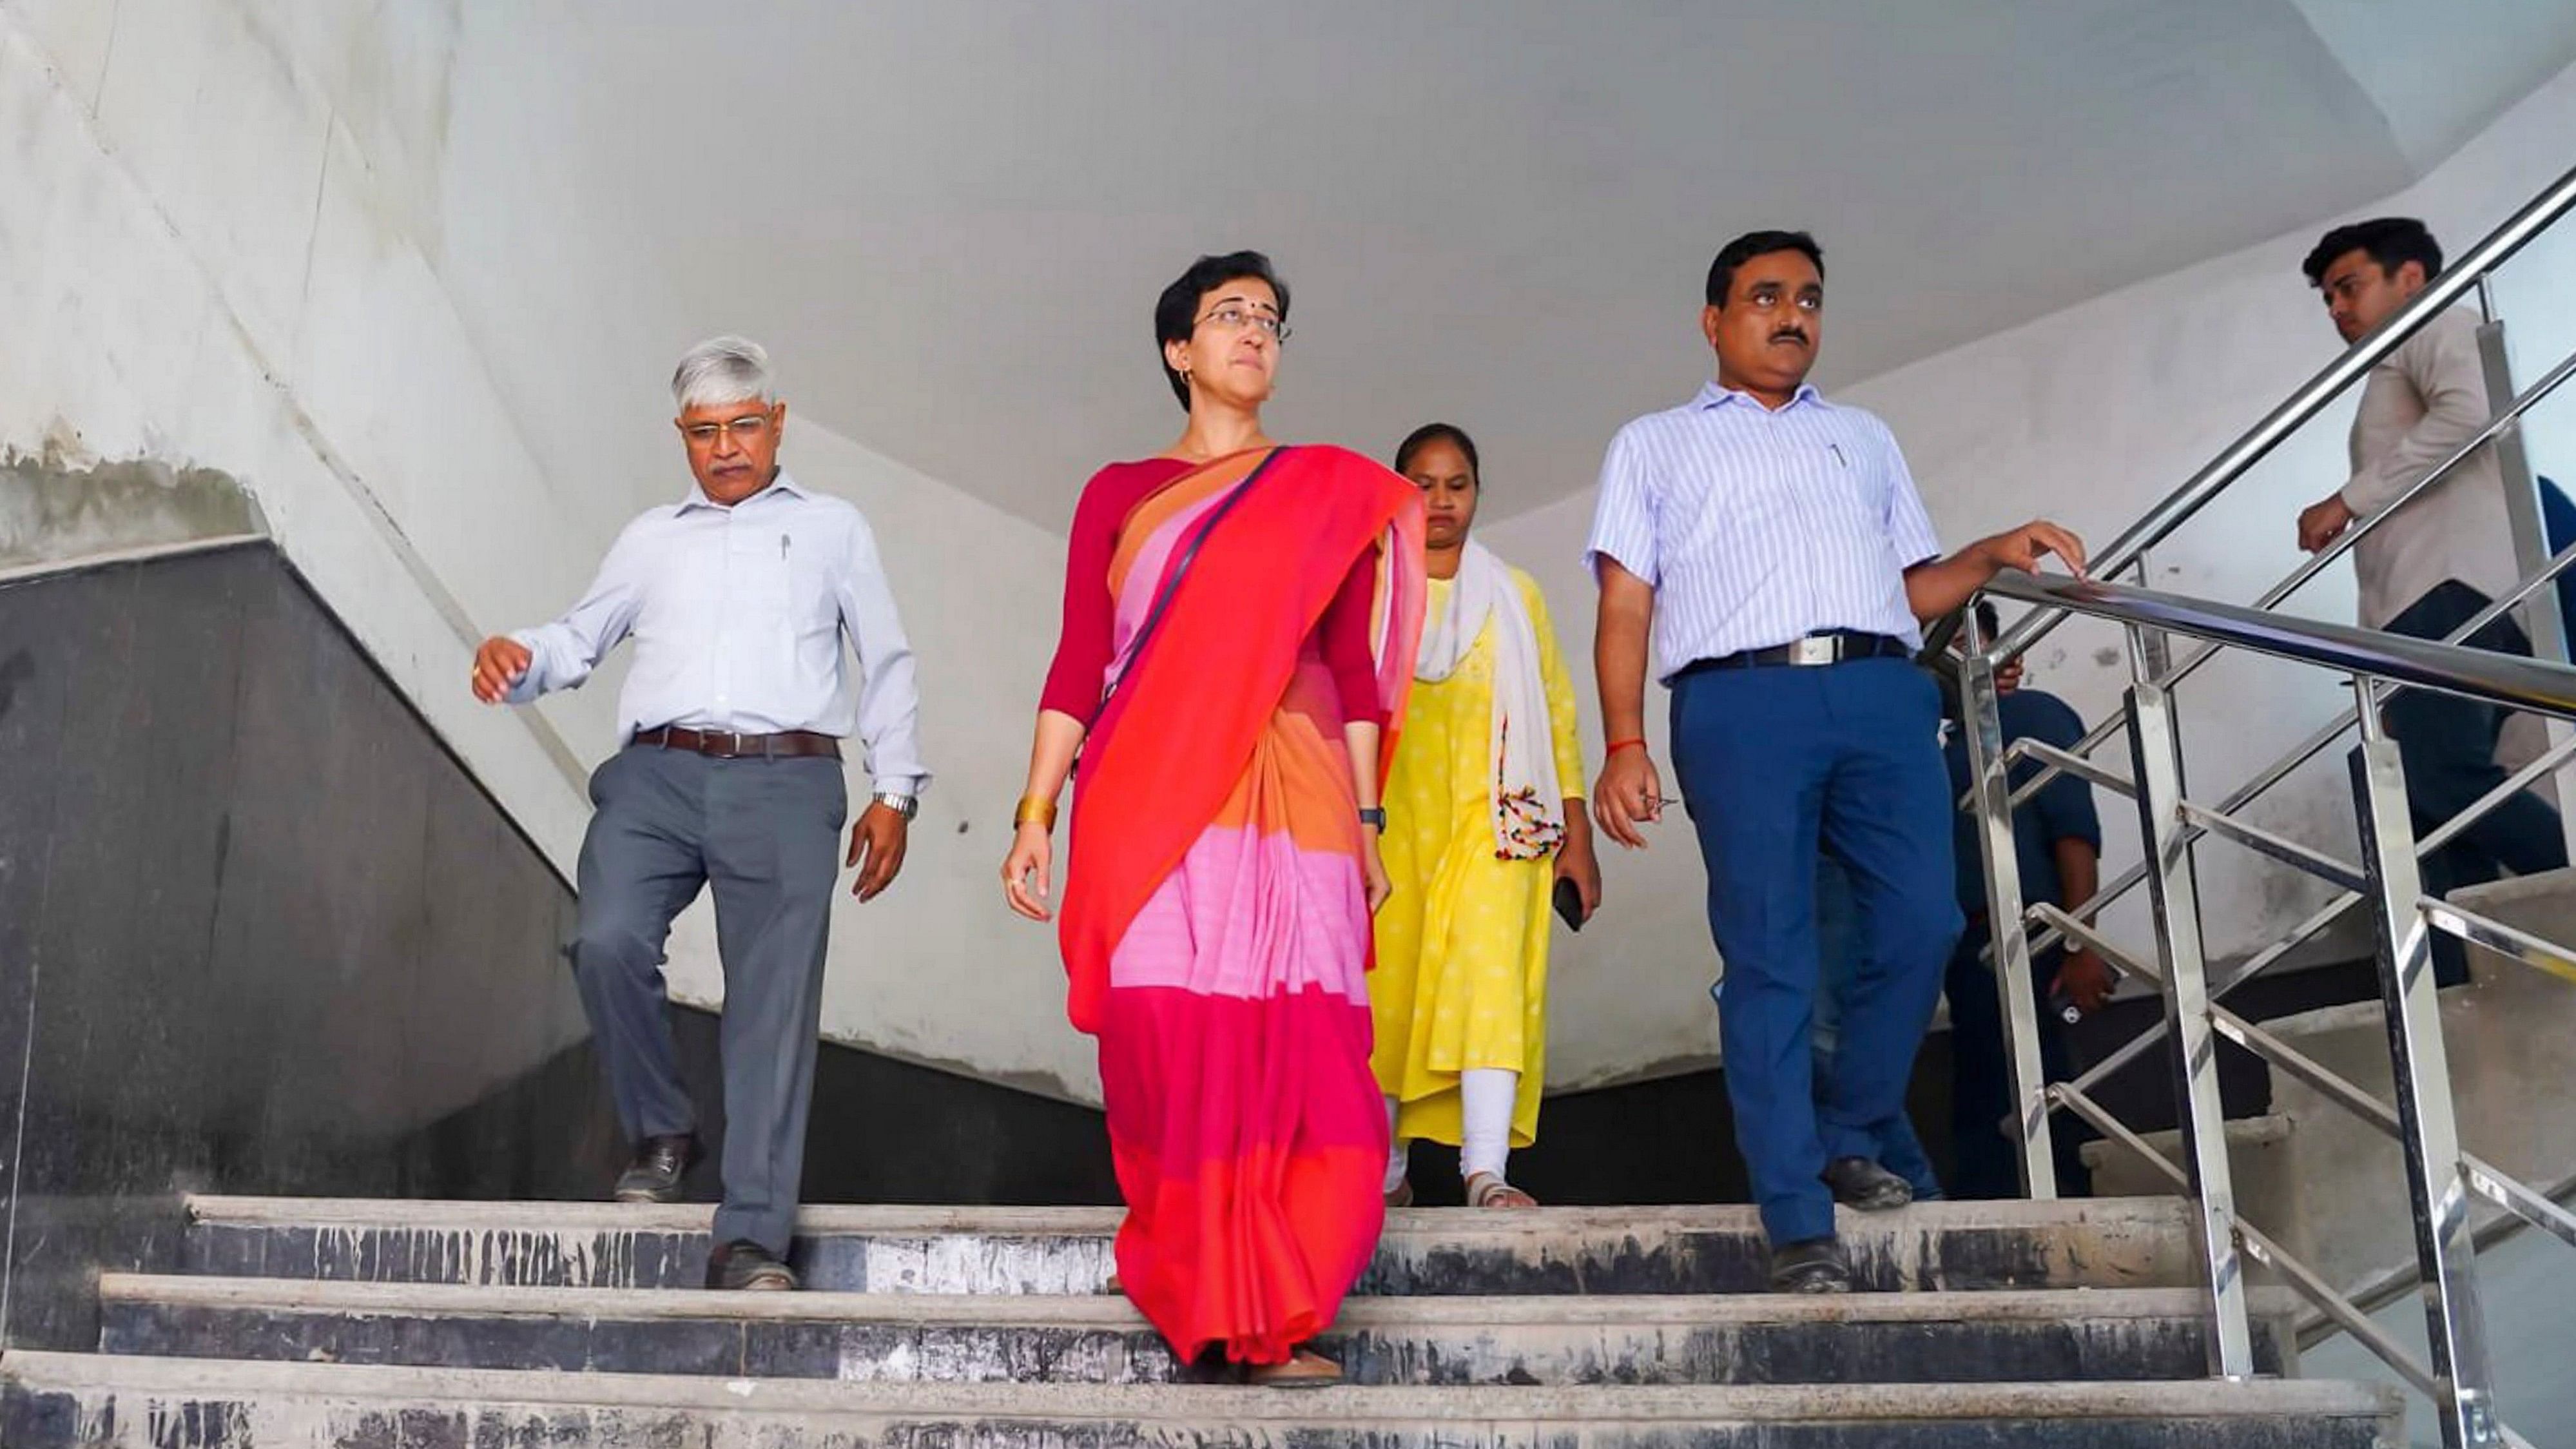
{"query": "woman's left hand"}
pixel 1575 860
pixel 1373 870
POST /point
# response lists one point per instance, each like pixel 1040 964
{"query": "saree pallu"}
pixel 1215 923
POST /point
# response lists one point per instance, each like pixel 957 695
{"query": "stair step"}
pixel 2100 1243
pixel 1743 1339
pixel 55 1401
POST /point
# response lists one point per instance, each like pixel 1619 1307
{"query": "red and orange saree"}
pixel 1215 923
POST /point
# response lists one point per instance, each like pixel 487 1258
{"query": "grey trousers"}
pixel 765 834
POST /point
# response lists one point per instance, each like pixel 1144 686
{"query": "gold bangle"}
pixel 1034 810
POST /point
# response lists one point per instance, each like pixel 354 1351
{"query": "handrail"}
pixel 2504 679
pixel 2312 397
pixel 2318 562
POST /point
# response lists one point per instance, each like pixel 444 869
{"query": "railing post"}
pixel 2455 1327
pixel 2156 751
pixel 2542 619
pixel 1981 719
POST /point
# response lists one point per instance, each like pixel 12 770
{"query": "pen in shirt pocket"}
pixel 1837 450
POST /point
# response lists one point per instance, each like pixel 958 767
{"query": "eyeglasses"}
pixel 1235 318
pixel 747 429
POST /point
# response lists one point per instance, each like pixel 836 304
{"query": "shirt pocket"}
pixel 759 576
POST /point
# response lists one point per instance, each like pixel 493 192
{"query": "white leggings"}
pixel 1486 1097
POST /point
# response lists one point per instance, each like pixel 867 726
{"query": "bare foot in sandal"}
pixel 1488 1190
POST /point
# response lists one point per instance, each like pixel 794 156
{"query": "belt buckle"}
pixel 1815 649
pixel 731 746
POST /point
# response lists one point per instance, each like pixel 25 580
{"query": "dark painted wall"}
pixel 256 926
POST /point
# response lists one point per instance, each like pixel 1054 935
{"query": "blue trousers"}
pixel 1900 1151
pixel 2448 746
pixel 1774 764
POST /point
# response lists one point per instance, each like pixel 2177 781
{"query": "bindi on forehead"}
pixel 1243 299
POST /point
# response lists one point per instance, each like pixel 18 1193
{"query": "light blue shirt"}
pixel 738 615
pixel 1757 527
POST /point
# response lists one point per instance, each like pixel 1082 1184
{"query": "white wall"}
pixel 2088 416
pixel 226 252
pixel 252 248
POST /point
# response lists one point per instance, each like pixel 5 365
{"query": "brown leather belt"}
pixel 727 746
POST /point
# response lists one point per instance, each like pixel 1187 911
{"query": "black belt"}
pixel 1833 646
pixel 725 745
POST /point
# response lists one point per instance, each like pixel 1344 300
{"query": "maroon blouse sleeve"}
pixel 1081 665
pixel 1346 628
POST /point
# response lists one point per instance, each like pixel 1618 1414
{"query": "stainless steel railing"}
pixel 2467 275
pixel 2441 1177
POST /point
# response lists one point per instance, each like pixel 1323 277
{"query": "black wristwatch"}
pixel 1374 815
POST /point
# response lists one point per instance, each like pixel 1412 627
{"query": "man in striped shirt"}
pixel 1774 545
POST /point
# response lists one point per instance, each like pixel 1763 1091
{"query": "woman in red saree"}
pixel 1239 628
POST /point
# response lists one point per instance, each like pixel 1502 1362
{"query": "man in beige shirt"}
pixel 2442 556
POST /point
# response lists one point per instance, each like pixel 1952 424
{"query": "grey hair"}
pixel 723 370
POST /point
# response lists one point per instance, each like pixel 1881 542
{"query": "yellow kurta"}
pixel 1461 979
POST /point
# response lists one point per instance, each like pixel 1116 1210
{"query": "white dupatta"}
pixel 1528 799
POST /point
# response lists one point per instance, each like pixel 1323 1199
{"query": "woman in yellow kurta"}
pixel 1484 815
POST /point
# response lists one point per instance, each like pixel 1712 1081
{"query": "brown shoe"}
pixel 1305 1369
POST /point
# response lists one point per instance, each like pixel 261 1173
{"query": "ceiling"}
pixel 950 220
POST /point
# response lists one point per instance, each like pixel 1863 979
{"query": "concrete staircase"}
pixel 478 1325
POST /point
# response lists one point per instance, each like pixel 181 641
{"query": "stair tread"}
pixel 932 1220
pixel 170 1378
pixel 1111 1311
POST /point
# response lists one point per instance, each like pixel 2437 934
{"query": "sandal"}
pixel 1488 1190
pixel 1305 1369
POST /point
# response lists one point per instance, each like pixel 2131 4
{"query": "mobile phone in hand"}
pixel 1569 902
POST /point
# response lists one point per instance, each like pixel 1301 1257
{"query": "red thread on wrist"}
pixel 1617 745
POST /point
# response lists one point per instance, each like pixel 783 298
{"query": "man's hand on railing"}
pixel 2022 548
pixel 1942 586
pixel 2323 522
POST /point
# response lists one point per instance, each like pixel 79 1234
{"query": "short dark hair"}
pixel 1721 273
pixel 1989 620
pixel 2391 241
pixel 1176 313
pixel 1450 433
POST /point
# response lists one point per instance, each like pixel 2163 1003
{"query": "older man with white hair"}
pixel 729 774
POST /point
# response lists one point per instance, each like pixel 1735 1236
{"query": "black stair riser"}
pixel 1760 1353
pixel 1685 1262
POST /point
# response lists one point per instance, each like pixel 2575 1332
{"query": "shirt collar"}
pixel 1713 395
pixel 781 484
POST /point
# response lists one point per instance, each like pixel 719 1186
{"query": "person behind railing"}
pixel 1485 828
pixel 2438 559
pixel 1755 529
pixel 2057 845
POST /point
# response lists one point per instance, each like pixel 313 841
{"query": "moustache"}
pixel 1790 334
